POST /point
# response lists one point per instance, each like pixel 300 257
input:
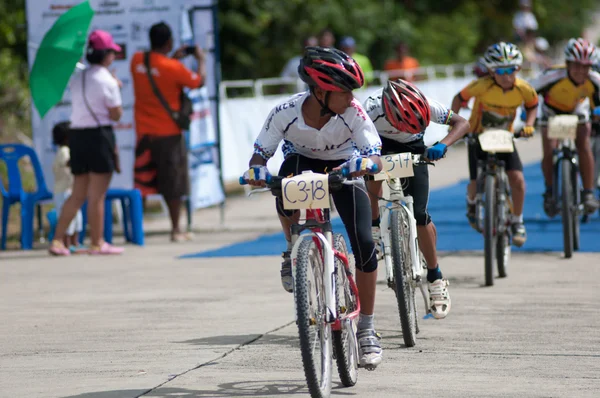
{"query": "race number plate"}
pixel 497 141
pixel 306 191
pixel 562 127
pixel 399 165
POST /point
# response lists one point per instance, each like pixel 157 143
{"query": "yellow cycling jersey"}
pixel 495 107
pixel 561 94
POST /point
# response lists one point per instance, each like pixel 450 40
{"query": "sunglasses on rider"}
pixel 505 71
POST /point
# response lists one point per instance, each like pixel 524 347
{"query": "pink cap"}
pixel 101 40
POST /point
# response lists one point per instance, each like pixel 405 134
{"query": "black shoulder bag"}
pixel 181 117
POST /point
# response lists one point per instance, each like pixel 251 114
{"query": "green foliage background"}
pixel 259 36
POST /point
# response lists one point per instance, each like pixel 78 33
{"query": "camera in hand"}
pixel 190 50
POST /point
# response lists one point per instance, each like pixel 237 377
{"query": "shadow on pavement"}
pixel 235 340
pixel 236 389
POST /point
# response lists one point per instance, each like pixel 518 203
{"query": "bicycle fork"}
pixel 323 241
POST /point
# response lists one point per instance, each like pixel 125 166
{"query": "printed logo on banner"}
pixel 117 31
pixel 110 7
pixel 56 10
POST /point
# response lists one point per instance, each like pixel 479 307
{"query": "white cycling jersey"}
pixel 344 136
pixel 439 115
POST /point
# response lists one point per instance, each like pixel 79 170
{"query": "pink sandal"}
pixel 57 248
pixel 105 249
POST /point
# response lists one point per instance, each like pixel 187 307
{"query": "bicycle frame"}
pixel 493 166
pixel 319 225
pixel 566 151
pixel 399 201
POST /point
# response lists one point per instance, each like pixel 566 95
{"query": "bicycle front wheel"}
pixel 345 345
pixel 489 228
pixel 567 207
pixel 401 261
pixel 313 330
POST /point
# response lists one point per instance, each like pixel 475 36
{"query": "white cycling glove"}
pixel 257 172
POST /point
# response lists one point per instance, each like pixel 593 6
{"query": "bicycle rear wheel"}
pixel 401 261
pixel 314 332
pixel 567 206
pixel 345 345
pixel 488 228
pixel 503 249
pixel 576 202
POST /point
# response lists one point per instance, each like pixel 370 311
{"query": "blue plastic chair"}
pixel 133 216
pixel 11 154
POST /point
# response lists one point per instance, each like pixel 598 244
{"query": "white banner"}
pixel 129 22
pixel 242 119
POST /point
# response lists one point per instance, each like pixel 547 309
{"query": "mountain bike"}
pixel 595 142
pixel 493 201
pixel 325 293
pixel 406 269
pixel 566 190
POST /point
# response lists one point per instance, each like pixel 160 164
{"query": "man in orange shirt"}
pixel 161 155
pixel 403 65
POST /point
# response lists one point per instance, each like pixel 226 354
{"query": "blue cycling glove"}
pixel 596 111
pixel 436 152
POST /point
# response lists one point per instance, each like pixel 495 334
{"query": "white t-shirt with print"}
pixel 101 91
pixel 344 136
pixel 439 115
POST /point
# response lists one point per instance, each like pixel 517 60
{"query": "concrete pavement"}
pixel 149 324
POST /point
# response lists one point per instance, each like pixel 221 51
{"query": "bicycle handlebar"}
pixel 335 177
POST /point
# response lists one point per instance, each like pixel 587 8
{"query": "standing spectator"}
pixel 524 20
pixel 96 104
pixel 326 38
pixel 348 45
pixel 403 65
pixel 291 67
pixel 161 155
pixel 63 182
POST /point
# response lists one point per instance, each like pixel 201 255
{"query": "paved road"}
pixel 148 324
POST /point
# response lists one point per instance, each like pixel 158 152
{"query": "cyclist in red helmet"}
pixel 401 113
pixel 322 129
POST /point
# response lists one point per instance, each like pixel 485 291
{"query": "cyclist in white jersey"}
pixel 322 129
pixel 401 112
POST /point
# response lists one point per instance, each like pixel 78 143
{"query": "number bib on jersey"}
pixel 497 141
pixel 562 127
pixel 306 191
pixel 399 165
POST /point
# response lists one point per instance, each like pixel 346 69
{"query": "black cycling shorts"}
pixel 352 203
pixel 417 186
pixel 512 161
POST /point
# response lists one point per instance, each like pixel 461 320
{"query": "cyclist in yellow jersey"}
pixel 567 90
pixel 497 97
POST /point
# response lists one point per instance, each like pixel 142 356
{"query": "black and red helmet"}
pixel 405 107
pixel 330 69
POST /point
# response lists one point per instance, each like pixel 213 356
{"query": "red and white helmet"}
pixel 581 51
pixel 405 107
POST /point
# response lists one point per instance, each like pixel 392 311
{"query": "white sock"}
pixel 289 246
pixel 471 201
pixel 516 219
pixel 365 322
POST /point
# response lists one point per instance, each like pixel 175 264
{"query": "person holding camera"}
pixel 162 113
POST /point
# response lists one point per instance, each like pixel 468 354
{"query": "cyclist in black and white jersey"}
pixel 322 129
pixel 401 112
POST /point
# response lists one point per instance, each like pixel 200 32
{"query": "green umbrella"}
pixel 57 55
